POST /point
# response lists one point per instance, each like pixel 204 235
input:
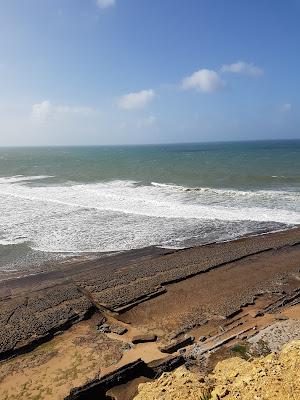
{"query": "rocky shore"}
pixel 91 325
pixel 274 376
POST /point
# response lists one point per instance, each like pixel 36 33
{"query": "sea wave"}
pixel 118 215
pixel 161 200
pixel 253 192
pixel 22 178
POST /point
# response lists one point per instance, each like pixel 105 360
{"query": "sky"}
pixel 93 72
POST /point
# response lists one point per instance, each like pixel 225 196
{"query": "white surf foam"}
pixel 148 201
pixel 119 215
pixel 22 178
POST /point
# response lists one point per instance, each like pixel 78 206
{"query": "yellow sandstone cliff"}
pixel 275 376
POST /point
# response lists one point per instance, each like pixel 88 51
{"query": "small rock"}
pixel 281 317
pixel 119 330
pixel 144 338
pixel 104 328
pixel 127 346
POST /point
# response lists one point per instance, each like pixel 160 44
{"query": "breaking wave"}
pixel 119 215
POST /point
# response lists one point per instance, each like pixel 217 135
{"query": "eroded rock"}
pixel 172 347
pixel 147 337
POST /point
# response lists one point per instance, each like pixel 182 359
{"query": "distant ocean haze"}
pixel 59 201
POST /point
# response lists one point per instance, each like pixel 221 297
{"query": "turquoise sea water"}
pixel 71 200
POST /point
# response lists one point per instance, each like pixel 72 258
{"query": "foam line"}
pixel 119 215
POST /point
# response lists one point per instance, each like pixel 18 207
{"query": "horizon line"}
pixel 151 144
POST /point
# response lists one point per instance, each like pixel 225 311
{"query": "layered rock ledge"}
pixel 35 308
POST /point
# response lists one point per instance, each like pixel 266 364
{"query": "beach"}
pixel 140 307
pixel 149 200
pixel 111 275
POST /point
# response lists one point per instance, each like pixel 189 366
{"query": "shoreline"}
pixel 115 299
pixel 86 257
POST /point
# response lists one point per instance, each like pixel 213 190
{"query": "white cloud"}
pixel 204 80
pixel 41 111
pixel 105 3
pixel 74 110
pixel 45 111
pixel 136 100
pixel 146 122
pixel 243 68
pixel 286 107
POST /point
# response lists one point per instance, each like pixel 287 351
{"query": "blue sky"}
pixel 148 71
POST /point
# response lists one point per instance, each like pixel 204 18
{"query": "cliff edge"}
pixel 275 376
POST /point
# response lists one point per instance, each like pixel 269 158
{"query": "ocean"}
pixel 59 202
